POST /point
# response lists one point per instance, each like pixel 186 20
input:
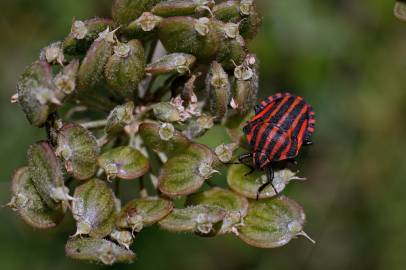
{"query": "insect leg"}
pixel 241 160
pixel 270 175
pixel 308 142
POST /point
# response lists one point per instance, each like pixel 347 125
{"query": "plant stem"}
pixel 94 124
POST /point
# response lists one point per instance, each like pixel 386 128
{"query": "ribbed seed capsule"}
pixel 91 69
pixel 232 47
pixel 182 7
pixel 119 117
pixel 138 213
pixel 94 209
pixel 166 112
pixel 189 35
pixel 27 202
pixel 246 84
pixel 243 12
pixel 53 53
pixel 218 86
pixel 83 33
pixel 124 238
pixel 144 27
pixel 124 11
pixel 36 94
pixel 125 68
pixel 79 150
pixel 46 173
pixel 65 81
pixel 98 251
pixel 227 11
pixel 170 63
pixel 123 162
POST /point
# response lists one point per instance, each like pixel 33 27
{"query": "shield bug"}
pixel 282 124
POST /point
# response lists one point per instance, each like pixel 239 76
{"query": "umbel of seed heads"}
pixel 126 99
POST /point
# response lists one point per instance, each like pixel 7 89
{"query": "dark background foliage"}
pixel 348 58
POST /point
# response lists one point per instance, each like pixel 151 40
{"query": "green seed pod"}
pixel 139 213
pixel 119 117
pixel 150 135
pixel 272 223
pixel 36 94
pixel 400 10
pixel 27 202
pixel 46 173
pixel 225 152
pixel 144 27
pixel 243 12
pixel 53 54
pixel 125 68
pixel 171 63
pixel 232 47
pixel 94 209
pixel 185 173
pixel 246 85
pixel 235 206
pixel 248 185
pixel 123 162
pixel 65 81
pixel 91 69
pixel 125 11
pixel 219 89
pixel 228 11
pixel 98 251
pixel 200 219
pixel 166 112
pixel 78 149
pixel 182 7
pixel 198 127
pixel 188 35
pixel 124 238
pixel 250 25
pixel 83 33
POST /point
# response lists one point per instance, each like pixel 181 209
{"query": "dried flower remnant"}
pixel 136 98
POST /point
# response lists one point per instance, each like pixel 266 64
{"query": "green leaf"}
pixel 235 206
pixel 200 219
pixel 150 135
pixel 79 149
pixel 272 223
pixel 98 251
pixel 94 209
pixel 185 173
pixel 139 213
pixel 28 203
pixel 124 162
pixel 46 173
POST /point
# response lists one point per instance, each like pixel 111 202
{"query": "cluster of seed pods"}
pixel 128 99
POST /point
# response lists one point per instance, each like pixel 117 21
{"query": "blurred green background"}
pixel 348 58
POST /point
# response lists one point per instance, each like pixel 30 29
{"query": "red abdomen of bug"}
pixel 282 124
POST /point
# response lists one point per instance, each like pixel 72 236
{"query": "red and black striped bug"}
pixel 282 124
